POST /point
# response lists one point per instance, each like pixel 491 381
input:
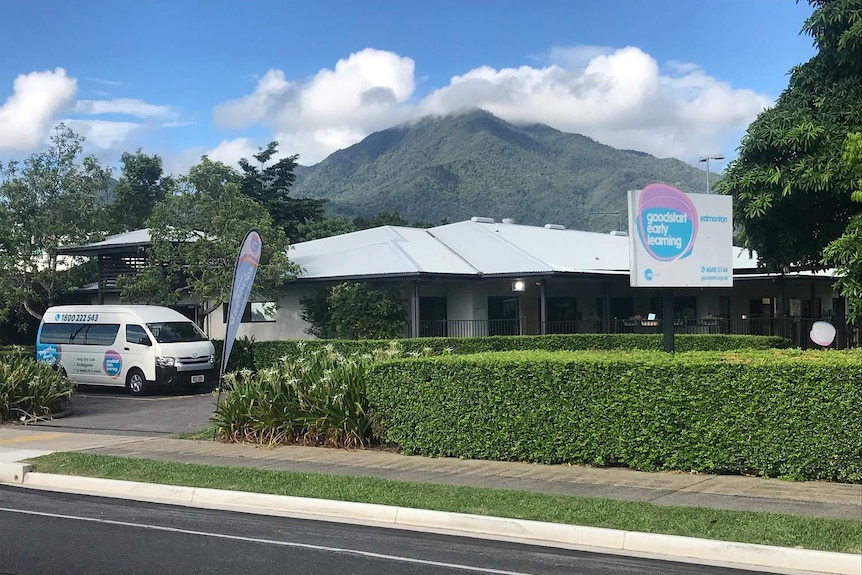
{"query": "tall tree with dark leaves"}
pixel 141 186
pixel 269 186
pixel 49 200
pixel 791 184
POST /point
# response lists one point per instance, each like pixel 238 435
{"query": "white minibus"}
pixel 137 346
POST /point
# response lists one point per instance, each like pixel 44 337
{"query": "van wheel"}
pixel 136 382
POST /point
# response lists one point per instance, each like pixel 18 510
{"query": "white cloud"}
pixel 125 106
pixel 619 97
pixel 103 134
pixel 230 151
pixel 28 114
pixel 365 92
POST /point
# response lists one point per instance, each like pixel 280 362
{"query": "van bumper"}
pixel 174 378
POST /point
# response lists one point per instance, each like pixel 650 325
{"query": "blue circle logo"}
pixel 57 317
pixel 648 274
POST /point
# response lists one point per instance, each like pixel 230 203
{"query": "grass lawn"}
pixel 743 526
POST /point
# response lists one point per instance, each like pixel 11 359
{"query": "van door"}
pixel 138 352
pixel 103 360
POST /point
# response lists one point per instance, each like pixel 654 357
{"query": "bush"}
pixel 268 353
pixel 317 398
pixel 773 413
pixel 30 390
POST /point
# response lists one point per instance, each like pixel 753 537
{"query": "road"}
pixel 49 533
pixel 114 410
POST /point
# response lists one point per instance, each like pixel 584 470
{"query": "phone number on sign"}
pixel 713 270
pixel 79 317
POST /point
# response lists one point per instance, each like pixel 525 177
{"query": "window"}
pixel 176 331
pixel 254 312
pixel 136 334
pixel 102 334
pixel 79 333
pixel 503 316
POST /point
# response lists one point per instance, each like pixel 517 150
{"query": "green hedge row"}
pixel 774 413
pixel 267 353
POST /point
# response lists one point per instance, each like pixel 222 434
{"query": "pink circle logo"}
pixel 666 222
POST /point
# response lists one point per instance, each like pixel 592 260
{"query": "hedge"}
pixel 784 413
pixel 267 353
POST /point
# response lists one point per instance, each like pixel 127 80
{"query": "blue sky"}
pixel 181 78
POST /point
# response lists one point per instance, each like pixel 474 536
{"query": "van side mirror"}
pixel 144 340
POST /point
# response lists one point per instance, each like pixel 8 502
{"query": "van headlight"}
pixel 166 361
pixel 212 358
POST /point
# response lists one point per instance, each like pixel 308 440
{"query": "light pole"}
pixel 707 159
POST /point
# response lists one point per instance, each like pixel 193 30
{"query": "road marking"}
pixel 339 550
pixel 37 437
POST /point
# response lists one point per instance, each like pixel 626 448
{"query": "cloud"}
pixel 28 114
pixel 230 151
pixel 125 106
pixel 365 92
pixel 103 134
pixel 620 97
pixel 105 82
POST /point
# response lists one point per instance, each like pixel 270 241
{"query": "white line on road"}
pixel 269 542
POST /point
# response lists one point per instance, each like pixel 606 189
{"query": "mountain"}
pixel 475 164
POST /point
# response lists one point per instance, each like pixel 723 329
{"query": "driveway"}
pixel 113 410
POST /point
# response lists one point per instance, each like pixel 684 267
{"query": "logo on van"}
pixel 113 363
pixel 48 353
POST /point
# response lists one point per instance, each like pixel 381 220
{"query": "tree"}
pixel 845 253
pixel 141 186
pixel 270 187
pixel 355 311
pixel 791 188
pixel 49 200
pixel 196 235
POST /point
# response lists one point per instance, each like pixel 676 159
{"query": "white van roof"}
pixel 143 313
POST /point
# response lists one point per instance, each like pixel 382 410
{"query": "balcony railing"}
pixel 794 328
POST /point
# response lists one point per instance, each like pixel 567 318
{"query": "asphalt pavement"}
pixel 49 533
pixel 112 410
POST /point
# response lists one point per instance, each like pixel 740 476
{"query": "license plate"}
pixel 197 379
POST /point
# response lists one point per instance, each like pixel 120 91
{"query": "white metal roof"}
pixel 470 248
pixel 387 250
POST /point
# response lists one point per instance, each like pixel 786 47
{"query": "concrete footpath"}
pixel 817 499
pixel 812 498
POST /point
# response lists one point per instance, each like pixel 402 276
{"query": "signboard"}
pixel 678 239
pixel 243 278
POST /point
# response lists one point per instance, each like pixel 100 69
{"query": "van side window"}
pixel 79 333
pixel 136 334
pixel 102 333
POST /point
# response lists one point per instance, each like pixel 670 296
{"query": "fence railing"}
pixel 796 329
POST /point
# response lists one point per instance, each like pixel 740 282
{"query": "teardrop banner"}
pixel 678 239
pixel 243 278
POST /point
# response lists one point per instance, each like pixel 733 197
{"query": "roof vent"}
pixel 508 221
pixel 618 233
pixel 482 220
pixel 554 227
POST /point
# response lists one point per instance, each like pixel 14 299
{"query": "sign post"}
pixel 679 240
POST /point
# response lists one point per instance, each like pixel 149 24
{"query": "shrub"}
pixel 774 413
pixel 268 353
pixel 30 390
pixel 317 398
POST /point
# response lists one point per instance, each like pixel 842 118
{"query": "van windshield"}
pixel 176 331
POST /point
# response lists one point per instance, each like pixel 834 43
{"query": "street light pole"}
pixel 707 159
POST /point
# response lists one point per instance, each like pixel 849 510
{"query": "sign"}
pixel 678 239
pixel 243 278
